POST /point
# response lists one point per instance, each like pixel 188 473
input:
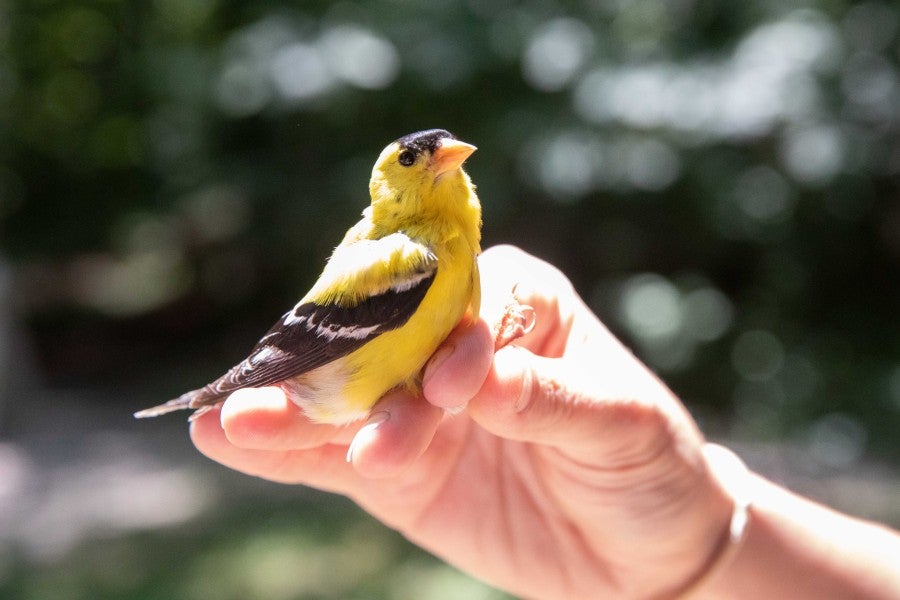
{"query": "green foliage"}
pixel 704 172
pixel 311 548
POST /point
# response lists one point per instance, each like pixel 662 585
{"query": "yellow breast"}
pixel 396 357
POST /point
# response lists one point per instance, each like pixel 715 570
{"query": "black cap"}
pixel 424 140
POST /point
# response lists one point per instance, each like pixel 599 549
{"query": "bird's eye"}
pixel 406 158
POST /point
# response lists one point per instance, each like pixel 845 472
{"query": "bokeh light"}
pixel 555 53
pixel 719 180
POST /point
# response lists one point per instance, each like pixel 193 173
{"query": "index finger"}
pixel 511 274
pixel 457 370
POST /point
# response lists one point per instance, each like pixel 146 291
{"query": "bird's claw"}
pixel 516 321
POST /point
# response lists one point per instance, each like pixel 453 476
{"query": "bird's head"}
pixel 419 169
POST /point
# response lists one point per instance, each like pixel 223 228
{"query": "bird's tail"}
pixel 202 399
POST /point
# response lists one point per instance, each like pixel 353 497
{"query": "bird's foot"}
pixel 516 321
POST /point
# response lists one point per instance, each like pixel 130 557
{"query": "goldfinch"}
pixel 402 278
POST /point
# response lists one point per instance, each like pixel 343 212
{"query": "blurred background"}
pixel 720 180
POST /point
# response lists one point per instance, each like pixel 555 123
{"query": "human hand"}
pixel 566 469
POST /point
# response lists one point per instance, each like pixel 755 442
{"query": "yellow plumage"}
pixel 398 283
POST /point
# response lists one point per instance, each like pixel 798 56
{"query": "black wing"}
pixel 312 335
pixel 309 336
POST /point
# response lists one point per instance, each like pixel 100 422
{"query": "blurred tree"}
pixel 720 180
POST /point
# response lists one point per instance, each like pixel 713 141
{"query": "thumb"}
pixel 556 402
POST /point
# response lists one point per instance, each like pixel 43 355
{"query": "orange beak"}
pixel 451 154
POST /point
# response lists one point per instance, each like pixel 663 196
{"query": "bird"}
pixel 397 284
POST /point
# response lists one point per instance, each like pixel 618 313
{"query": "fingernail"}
pixel 437 359
pixel 527 393
pixel 456 410
pixel 512 364
pixel 372 423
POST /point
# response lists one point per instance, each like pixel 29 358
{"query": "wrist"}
pixel 797 548
pixel 689 522
pixel 732 474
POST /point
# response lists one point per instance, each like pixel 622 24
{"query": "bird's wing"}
pixel 367 288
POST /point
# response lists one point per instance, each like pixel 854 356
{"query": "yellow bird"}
pixel 398 283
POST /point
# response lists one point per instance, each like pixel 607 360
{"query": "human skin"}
pixel 557 467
